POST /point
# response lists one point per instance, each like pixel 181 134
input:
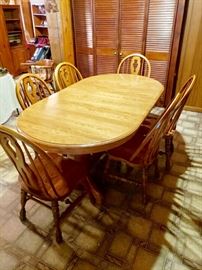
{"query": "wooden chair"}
pixel 44 68
pixel 44 178
pixel 180 100
pixel 30 88
pixel 66 74
pixel 136 64
pixel 143 148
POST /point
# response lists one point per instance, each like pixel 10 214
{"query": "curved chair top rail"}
pixel 180 100
pixel 135 63
pixel 30 88
pixel 66 74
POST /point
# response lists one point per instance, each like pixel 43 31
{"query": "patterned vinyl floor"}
pixel 166 234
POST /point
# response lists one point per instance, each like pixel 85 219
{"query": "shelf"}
pixel 12 20
pixel 41 26
pixel 14 32
pixel 11 13
pixel 39 14
pixel 39 21
pixel 15 44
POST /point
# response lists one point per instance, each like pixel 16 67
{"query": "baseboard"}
pixel 193 109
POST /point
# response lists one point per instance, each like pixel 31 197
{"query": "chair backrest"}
pixel 66 74
pixel 180 99
pixel 43 68
pixel 38 173
pixel 136 64
pixel 152 140
pixel 30 88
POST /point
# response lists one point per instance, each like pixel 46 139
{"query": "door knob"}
pixel 120 53
pixel 115 53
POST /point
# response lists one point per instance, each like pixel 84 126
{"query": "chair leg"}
pixel 93 192
pixel 156 169
pixel 169 148
pixel 56 217
pixel 172 145
pixel 23 202
pixel 144 184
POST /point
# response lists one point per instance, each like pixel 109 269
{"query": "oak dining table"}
pixel 93 115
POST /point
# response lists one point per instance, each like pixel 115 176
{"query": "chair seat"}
pixel 126 150
pixel 150 121
pixel 72 171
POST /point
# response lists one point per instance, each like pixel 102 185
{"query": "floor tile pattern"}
pixel 166 234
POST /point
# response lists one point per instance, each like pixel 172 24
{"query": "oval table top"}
pixel 93 115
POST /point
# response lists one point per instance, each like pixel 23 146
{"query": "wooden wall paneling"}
pixel 66 35
pixel 55 35
pixel 177 36
pixel 60 32
pixel 191 56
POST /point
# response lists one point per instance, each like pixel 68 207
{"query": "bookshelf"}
pixel 12 46
pixel 13 25
pixel 39 20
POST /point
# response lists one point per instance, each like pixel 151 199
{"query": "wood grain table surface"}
pixel 93 115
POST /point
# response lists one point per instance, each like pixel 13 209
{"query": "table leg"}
pixel 97 196
pixel 94 190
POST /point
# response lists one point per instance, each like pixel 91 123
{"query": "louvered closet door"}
pixel 159 40
pixel 105 31
pixel 132 25
pixel 106 35
pixel 83 36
